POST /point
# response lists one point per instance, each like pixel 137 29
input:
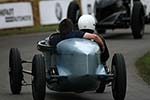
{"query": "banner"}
pixel 14 15
pixel 53 11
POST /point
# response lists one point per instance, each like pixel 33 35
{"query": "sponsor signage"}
pixel 53 11
pixel 14 15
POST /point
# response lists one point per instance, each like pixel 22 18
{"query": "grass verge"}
pixel 143 66
pixel 26 30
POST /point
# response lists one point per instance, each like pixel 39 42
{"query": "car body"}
pixel 77 74
pixel 74 65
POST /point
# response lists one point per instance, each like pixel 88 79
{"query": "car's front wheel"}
pixel 39 78
pixel 119 83
pixel 15 72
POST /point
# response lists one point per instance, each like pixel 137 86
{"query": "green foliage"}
pixel 27 30
pixel 143 66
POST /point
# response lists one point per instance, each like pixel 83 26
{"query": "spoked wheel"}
pixel 39 77
pixel 137 20
pixel 15 72
pixel 119 82
pixel 101 88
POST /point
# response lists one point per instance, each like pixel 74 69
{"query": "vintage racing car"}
pixel 112 14
pixel 72 66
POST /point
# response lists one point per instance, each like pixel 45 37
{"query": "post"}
pixel 36 15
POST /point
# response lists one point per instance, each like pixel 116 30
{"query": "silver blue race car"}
pixel 74 65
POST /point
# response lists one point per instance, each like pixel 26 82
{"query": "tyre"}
pixel 98 16
pixel 137 20
pixel 101 88
pixel 15 72
pixel 39 78
pixel 119 82
pixel 73 12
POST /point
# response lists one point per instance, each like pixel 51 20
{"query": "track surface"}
pixel 118 41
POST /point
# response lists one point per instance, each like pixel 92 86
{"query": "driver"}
pixel 66 29
pixel 86 26
pixel 86 23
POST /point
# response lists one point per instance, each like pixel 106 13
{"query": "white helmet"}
pixel 86 22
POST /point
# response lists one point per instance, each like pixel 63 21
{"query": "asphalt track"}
pixel 119 41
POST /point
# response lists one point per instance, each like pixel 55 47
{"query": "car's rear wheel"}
pixel 101 88
pixel 137 20
pixel 119 82
pixel 39 78
pixel 15 72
